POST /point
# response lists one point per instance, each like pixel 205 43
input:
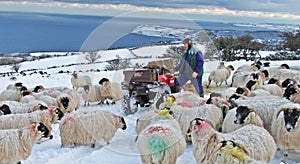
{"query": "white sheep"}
pixel 273 89
pixel 91 94
pixel 220 75
pixel 161 142
pixel 14 95
pixel 227 151
pixel 285 128
pixel 20 107
pixel 256 140
pixel 190 97
pixel 111 90
pixel 14 121
pixel 89 127
pixel 240 79
pixel 152 116
pixel 239 117
pixel 16 144
pixel 265 106
pixel 67 102
pixel 80 81
pixel 184 114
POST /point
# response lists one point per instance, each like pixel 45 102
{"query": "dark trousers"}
pixel 197 83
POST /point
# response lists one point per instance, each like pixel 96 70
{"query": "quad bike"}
pixel 144 86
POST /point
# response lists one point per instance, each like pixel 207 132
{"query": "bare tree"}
pixel 92 56
pixel 15 67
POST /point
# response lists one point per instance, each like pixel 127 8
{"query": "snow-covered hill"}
pixel 122 148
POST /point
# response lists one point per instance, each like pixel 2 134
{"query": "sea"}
pixel 35 32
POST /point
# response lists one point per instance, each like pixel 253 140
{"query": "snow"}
pixel 122 146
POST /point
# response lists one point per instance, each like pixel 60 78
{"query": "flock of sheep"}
pixel 246 123
pixel 27 115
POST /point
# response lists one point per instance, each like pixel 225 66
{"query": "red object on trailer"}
pixel 167 78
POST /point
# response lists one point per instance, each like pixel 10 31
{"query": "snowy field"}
pixel 122 148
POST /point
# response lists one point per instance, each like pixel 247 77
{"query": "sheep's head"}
pixel 273 81
pixel 230 67
pixel 65 102
pixel 286 83
pixel 38 88
pixel 289 91
pixel 44 130
pixel 197 124
pixel 264 73
pixel 4 109
pixel 229 149
pixel 290 116
pixel 59 113
pixel 121 122
pixel 250 84
pixel 26 92
pixel 254 76
pixel 75 75
pixel 103 80
pixel 242 113
pixel 166 113
pixel 170 100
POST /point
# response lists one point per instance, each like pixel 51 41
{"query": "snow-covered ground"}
pixel 122 148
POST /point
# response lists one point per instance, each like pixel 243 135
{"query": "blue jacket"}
pixel 191 61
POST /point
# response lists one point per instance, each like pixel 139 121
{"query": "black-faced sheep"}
pixel 285 128
pixel 239 117
pixel 256 140
pixel 228 151
pixel 89 127
pixel 110 90
pixel 16 144
pixel 161 142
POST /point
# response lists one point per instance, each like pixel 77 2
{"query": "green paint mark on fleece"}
pixel 157 145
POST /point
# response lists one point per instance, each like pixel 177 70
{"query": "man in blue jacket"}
pixel 190 67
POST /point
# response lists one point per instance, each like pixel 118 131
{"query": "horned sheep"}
pixel 285 128
pixel 161 142
pixel 89 127
pixel 256 140
pixel 16 144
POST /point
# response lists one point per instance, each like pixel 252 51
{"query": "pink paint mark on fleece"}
pixel 203 125
pixel 186 104
pixel 159 129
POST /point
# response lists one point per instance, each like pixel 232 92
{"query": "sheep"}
pixel 110 90
pixel 15 86
pixel 285 129
pixel 18 107
pixel 14 95
pixel 16 144
pixel 228 151
pixel 161 142
pixel 191 97
pixel 240 79
pixel 220 75
pixel 91 94
pixel 80 81
pixel 89 127
pixel 265 107
pixel 152 116
pixel 256 140
pixel 239 117
pixel 14 121
pixel 185 113
pixel 68 102
pixel 271 88
pixel 4 110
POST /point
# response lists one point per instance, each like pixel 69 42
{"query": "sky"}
pixel 249 11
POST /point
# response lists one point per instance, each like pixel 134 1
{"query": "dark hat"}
pixel 188 41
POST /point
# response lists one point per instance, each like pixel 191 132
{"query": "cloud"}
pixel 230 8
